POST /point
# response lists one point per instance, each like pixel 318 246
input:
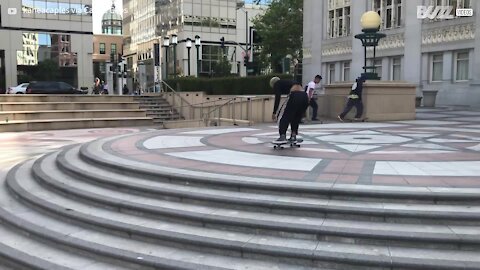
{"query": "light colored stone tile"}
pixel 162 142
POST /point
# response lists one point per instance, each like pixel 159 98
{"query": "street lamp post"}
pixel 241 5
pixel 197 46
pixel 166 44
pixel 370 37
pixel 189 46
pixel 174 43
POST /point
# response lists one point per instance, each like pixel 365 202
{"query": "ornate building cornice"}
pixel 337 49
pixel 392 42
pixel 448 34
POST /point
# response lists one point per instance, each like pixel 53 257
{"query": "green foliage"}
pixel 223 67
pixel 281 31
pixel 257 85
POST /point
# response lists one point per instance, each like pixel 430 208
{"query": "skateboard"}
pixel 356 120
pixel 296 143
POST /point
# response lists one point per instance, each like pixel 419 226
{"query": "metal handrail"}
pixel 216 108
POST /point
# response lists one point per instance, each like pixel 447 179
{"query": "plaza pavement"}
pixel 441 148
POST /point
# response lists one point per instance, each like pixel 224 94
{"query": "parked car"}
pixel 19 89
pixel 52 88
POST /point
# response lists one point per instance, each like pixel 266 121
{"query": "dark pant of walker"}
pixel 314 105
pixel 357 103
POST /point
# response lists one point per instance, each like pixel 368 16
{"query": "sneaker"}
pixel 292 139
pixel 282 139
pixel 314 119
pixel 340 118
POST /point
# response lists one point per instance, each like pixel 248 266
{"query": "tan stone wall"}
pixel 382 101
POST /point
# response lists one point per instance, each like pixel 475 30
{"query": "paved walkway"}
pixel 442 148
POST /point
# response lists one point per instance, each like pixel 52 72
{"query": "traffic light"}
pixel 245 60
pixel 222 42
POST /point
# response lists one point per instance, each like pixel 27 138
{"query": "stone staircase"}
pixel 48 112
pixel 86 208
pixel 158 109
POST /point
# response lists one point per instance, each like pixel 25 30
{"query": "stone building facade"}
pixel 434 54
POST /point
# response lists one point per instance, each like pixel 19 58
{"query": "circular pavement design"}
pixel 441 149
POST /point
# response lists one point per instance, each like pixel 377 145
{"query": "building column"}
pixel 476 53
pixel 412 67
pixel 313 33
pixel 358 7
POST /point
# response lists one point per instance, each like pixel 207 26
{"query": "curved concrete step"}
pixel 65 98
pixel 298 250
pixel 95 153
pixel 46 106
pixel 328 229
pixel 20 249
pixel 116 245
pixel 71 114
pixel 55 124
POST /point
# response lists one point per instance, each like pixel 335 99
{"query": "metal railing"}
pixel 230 110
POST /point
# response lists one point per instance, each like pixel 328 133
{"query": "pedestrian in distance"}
pixel 97 86
pixel 291 112
pixel 125 90
pixel 312 93
pixel 354 100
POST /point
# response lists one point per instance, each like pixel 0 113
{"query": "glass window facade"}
pixel 102 48
pixel 461 66
pixel 339 18
pixel 437 68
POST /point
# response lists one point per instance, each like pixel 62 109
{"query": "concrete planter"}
pixel 429 97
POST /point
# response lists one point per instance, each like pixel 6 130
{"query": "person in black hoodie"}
pixel 291 111
pixel 354 100
pixel 280 87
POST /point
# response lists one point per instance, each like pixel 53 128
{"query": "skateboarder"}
pixel 280 87
pixel 354 100
pixel 313 95
pixel 291 113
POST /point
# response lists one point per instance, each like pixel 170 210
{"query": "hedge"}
pixel 255 85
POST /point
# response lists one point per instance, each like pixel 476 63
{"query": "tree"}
pixel 281 32
pixel 222 68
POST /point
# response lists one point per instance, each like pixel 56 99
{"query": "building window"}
pixel 437 68
pixel 113 49
pixel 338 18
pixel 378 67
pixel 346 71
pixel 102 48
pixel 461 63
pixel 396 68
pixel 210 57
pixel 331 73
pixel 390 11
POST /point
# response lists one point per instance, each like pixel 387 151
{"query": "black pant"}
pixel 357 103
pixel 314 105
pixel 292 112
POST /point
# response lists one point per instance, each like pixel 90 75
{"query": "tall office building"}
pixel 438 54
pixel 148 22
pixel 40 30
